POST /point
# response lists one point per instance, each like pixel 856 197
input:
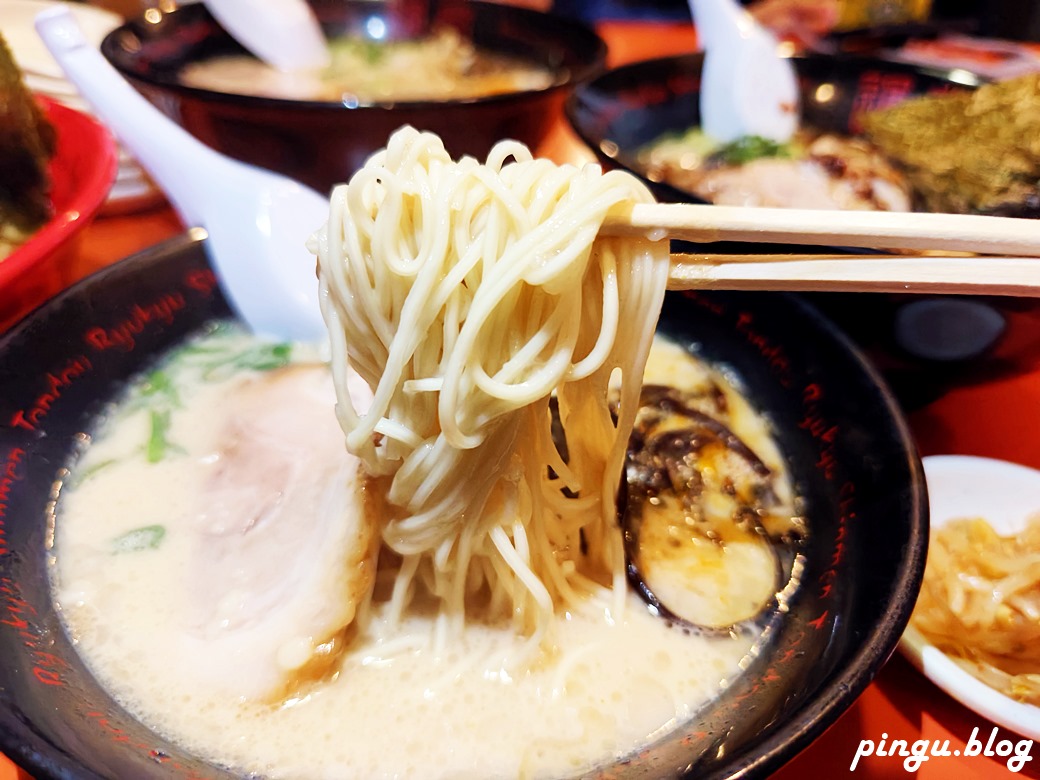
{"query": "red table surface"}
pixel 993 419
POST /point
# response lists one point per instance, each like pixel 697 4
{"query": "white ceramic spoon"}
pixel 747 88
pixel 257 221
pixel 283 33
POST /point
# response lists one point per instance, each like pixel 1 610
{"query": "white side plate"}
pixel 1005 495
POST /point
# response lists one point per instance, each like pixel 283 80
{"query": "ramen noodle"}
pixel 466 296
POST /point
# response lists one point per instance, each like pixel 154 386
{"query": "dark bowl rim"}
pixel 572 76
pixel 837 695
pixel 826 704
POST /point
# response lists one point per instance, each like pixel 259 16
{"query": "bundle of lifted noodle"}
pixel 467 296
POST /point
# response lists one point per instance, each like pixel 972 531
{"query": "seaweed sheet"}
pixel 26 145
pixel 968 152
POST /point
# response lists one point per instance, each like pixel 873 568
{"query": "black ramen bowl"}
pixel 924 344
pixel 322 142
pixel 849 451
pixel 622 110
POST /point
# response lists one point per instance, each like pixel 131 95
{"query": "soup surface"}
pixel 202 532
pixel 442 66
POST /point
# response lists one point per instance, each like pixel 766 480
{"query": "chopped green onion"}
pixel 79 477
pixel 265 357
pixel 159 383
pixel 748 148
pixel 262 357
pixel 147 537
pixel 158 444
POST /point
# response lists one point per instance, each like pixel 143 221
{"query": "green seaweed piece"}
pixel 158 443
pixel 748 148
pixel 262 357
pixel 147 537
pixel 79 477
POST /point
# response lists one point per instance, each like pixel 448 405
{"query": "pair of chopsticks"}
pixel 1005 257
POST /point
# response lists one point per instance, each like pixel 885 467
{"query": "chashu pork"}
pixel 285 537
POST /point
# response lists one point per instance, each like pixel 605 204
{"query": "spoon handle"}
pixel 180 163
pixel 747 88
pixel 719 22
pixel 283 33
pixel 256 221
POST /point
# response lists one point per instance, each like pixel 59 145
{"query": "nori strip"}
pixel 27 142
pixel 968 152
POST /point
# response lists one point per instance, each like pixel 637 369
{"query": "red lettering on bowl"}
pixel 8 477
pixel 56 384
pixel 121 335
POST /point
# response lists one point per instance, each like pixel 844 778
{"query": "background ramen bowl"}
pixel 322 143
pixel 622 110
pixel 923 344
pixel 81 172
pixel 849 449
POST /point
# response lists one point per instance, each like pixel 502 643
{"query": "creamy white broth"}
pixel 196 644
pixel 440 66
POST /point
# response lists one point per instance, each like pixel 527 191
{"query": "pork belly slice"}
pixel 285 537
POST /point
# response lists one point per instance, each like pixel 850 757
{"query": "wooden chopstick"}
pixel 866 229
pixel 975 275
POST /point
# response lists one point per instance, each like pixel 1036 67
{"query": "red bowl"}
pixel 82 172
